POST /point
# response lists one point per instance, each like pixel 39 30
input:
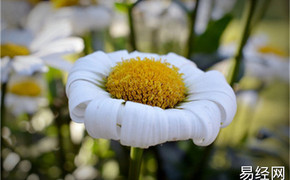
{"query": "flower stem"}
pixel 135 163
pixel 88 41
pixel 191 33
pixel 3 94
pixel 132 28
pixel 248 14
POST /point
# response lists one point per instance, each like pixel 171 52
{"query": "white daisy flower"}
pixel 144 99
pixel 30 53
pixel 166 17
pixel 82 18
pixel 262 60
pixel 25 94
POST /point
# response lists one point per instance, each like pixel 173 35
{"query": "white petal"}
pixel 57 61
pixel 213 86
pixel 83 19
pixel 97 62
pixel 80 93
pixel 101 118
pixel 24 104
pixel 190 73
pixel 177 60
pixel 90 18
pixel 142 125
pixel 118 56
pixel 142 55
pixel 179 124
pixel 27 65
pixel 37 16
pixel 16 36
pixel 6 64
pixel 94 68
pixel 205 121
pixel 65 46
pixel 186 67
pixel 51 32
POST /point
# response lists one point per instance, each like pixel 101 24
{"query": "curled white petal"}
pixel 93 68
pixel 213 86
pixel 118 55
pixel 143 55
pixel 97 62
pixel 179 124
pixel 176 60
pixel 142 125
pixel 101 118
pixel 79 98
pixel 205 122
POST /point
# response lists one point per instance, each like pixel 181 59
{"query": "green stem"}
pixel 132 28
pixel 249 11
pixel 260 12
pixel 3 94
pixel 191 33
pixel 135 163
pixel 88 43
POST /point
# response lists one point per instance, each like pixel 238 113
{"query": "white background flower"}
pixel 23 102
pixel 209 105
pixel 46 48
pixel 82 19
pixel 267 66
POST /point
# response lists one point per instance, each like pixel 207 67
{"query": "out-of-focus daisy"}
pixel 262 60
pixel 83 16
pixel 145 99
pixel 25 94
pixel 165 16
pixel 26 53
pixel 209 10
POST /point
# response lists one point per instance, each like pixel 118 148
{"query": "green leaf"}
pixel 52 76
pixel 122 7
pixel 209 41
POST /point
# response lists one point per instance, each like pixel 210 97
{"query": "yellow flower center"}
pixel 34 2
pixel 66 3
pixel 146 81
pixel 272 50
pixel 25 88
pixel 11 50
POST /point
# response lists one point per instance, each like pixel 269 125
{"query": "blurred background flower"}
pixel 83 15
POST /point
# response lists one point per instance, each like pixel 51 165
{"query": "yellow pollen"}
pixel 34 2
pixel 146 81
pixel 272 50
pixel 11 50
pixel 25 88
pixel 64 3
